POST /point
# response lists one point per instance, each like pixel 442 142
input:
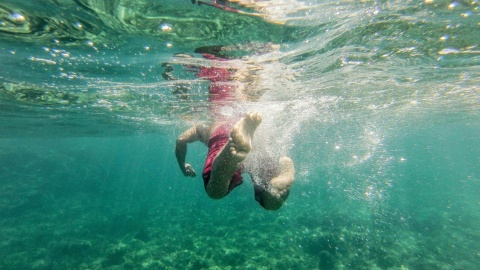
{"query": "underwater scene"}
pixel 376 103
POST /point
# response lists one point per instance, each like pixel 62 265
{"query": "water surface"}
pixel 377 103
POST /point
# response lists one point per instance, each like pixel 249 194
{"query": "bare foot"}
pixel 240 142
pixel 281 184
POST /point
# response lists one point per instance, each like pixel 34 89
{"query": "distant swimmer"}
pixel 228 146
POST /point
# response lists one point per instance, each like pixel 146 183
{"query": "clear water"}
pixel 377 103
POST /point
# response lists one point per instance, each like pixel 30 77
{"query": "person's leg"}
pixel 232 154
pixel 272 195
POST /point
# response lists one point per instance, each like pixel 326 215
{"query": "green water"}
pixel 376 102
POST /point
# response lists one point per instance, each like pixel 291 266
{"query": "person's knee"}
pixel 269 201
pixel 272 207
pixel 215 194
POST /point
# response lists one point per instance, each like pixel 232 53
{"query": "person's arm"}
pixel 189 136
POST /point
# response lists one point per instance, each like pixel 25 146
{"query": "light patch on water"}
pixel 42 60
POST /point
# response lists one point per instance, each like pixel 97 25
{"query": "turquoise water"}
pixel 377 103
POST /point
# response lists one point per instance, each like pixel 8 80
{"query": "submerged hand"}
pixel 189 171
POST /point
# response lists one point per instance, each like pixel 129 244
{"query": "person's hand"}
pixel 189 171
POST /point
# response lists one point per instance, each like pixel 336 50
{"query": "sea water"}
pixel 376 102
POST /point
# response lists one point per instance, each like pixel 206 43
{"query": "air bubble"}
pixel 78 25
pixel 453 5
pixel 17 17
pixel 444 38
pixel 166 27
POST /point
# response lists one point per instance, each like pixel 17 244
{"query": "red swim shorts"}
pixel 218 139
